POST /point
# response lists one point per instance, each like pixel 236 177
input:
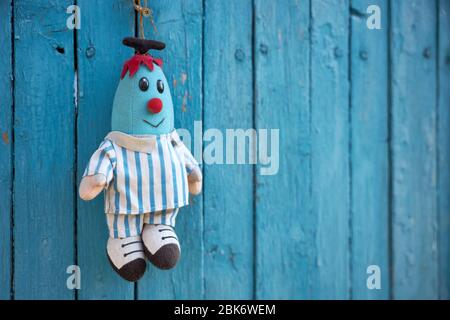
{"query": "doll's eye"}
pixel 143 84
pixel 160 86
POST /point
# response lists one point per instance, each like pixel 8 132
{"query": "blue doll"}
pixel 146 171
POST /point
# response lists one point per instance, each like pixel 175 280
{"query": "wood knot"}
pixel 427 53
pixel 363 55
pixel 239 55
pixel 263 48
pixel 338 52
pixel 90 51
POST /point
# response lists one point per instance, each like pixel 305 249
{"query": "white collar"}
pixel 141 143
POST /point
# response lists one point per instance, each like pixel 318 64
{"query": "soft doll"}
pixel 146 171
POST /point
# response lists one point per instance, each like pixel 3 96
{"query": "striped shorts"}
pixel 130 225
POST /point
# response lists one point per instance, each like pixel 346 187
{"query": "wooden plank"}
pixel 228 194
pixel 6 148
pixel 414 149
pixel 444 149
pixel 44 150
pixel 285 223
pixel 330 177
pixel 369 150
pixel 179 24
pixel 100 59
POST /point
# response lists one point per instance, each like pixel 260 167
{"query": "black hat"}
pixel 143 45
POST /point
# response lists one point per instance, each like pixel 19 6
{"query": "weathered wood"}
pixel 330 177
pixel 414 227
pixel 6 148
pixel 100 59
pixel 369 150
pixel 179 25
pixel 44 150
pixel 444 149
pixel 228 194
pixel 285 223
pixel 311 230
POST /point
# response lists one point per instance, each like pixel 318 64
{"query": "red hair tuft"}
pixel 133 64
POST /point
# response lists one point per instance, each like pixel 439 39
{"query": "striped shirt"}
pixel 143 173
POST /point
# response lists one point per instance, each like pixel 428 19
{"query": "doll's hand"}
pixel 91 186
pixel 195 181
pixel 195 187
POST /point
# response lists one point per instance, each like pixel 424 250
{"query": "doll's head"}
pixel 142 103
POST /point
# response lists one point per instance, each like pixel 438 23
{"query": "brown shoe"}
pixel 127 257
pixel 161 245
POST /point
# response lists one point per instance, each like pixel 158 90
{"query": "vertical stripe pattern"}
pixel 125 225
pixel 144 182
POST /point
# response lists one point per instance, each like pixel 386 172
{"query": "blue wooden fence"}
pixel 364 176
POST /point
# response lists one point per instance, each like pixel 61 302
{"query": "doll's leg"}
pixel 165 217
pixel 161 244
pixel 124 248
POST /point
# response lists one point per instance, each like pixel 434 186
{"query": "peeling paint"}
pixel 184 103
pixel 183 78
pixel 5 137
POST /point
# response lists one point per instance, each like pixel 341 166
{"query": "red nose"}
pixel 154 105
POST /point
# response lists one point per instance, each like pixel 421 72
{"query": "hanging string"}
pixel 144 11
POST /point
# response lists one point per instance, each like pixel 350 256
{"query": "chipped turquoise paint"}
pixel 364 148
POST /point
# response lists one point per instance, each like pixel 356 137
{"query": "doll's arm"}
pixel 195 183
pixel 192 168
pixel 195 176
pixel 194 172
pixel 91 186
pixel 99 171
